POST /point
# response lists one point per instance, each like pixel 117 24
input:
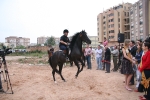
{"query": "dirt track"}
pixel 35 82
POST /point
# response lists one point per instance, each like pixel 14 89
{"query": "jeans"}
pixel 88 59
pixel 99 62
pixel 62 47
pixel 139 77
pixel 115 63
pixel 0 82
pixel 107 67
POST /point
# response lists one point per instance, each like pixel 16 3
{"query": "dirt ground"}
pixel 35 82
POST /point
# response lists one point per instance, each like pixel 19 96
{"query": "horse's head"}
pixel 50 52
pixel 84 37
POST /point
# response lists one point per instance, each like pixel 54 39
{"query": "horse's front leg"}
pixel 77 64
pixel 83 64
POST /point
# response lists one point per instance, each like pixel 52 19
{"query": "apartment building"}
pixel 94 41
pixel 14 41
pixel 113 21
pixel 43 39
pixel 139 20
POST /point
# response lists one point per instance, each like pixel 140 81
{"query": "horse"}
pixel 59 58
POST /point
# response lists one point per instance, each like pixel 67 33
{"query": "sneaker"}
pixel 67 59
pixel 1 90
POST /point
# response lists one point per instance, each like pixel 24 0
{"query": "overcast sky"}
pixel 35 18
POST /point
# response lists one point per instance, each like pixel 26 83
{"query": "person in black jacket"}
pixel 64 40
pixel 107 59
pixel 133 49
pixel 1 88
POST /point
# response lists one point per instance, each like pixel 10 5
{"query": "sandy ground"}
pixel 35 82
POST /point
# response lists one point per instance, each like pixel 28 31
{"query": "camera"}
pixel 5 52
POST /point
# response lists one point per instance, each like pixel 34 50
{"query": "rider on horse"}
pixel 63 45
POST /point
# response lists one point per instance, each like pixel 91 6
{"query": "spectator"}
pixel 99 57
pixel 107 59
pixel 133 49
pixel 1 88
pixel 105 42
pixel 126 68
pixel 138 56
pixel 145 69
pixel 115 53
pixel 87 54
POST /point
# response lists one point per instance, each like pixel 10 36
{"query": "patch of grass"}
pixel 32 54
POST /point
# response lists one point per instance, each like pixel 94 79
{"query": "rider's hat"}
pixel 65 31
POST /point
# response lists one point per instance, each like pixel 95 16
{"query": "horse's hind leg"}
pixel 60 70
pixel 77 64
pixel 53 73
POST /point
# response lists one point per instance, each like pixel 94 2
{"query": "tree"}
pixel 50 41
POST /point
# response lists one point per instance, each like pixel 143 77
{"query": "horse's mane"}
pixel 73 40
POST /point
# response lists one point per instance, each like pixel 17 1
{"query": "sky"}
pixel 35 18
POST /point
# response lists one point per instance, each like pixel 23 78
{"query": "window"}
pixel 110 15
pixel 136 14
pixel 98 29
pixel 112 20
pixel 140 3
pixel 104 33
pixel 141 13
pixel 136 37
pixel 97 19
pixel 125 13
pixel 112 25
pixel 119 20
pixel 119 25
pixel 131 12
pixel 131 19
pixel 125 8
pixel 132 32
pixel 103 22
pixel 141 30
pixel 118 14
pixel 98 34
pixel 140 7
pixel 141 21
pixel 141 37
pixel 104 27
pixel 103 17
pixel 132 26
pixel 132 38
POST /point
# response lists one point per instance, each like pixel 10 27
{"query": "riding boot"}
pixel 66 55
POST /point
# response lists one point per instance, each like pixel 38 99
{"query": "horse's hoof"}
pixel 64 80
pixel 55 82
pixel 76 76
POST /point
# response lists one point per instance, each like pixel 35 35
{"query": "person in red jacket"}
pixel 145 70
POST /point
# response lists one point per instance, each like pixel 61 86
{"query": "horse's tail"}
pixel 50 62
pixel 49 56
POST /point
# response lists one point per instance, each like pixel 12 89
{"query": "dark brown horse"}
pixel 58 58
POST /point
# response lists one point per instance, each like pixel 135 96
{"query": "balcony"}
pixel 126 23
pixel 126 31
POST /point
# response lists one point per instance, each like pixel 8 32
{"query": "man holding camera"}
pixel 1 88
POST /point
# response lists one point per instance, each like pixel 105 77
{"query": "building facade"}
pixel 113 21
pixel 94 41
pixel 42 40
pixel 139 20
pixel 14 41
